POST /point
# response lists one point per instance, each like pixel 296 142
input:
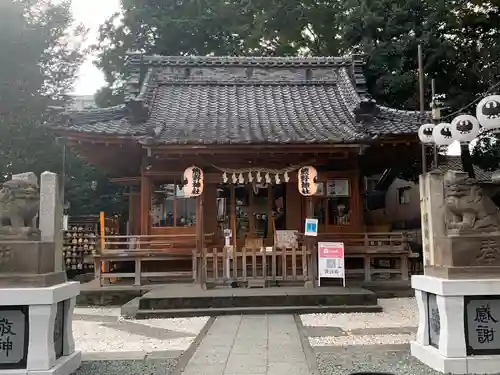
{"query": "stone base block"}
pixel 26 257
pixel 458 322
pixel 64 366
pixel 37 325
pixel 19 280
pixel 481 364
pixel 432 358
pixel 462 273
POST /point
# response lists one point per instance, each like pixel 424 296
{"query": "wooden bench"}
pixel 369 247
pixel 138 257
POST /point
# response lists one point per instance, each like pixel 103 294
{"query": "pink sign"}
pixel 331 251
pixel 331 261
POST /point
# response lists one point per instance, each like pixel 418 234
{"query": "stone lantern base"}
pixel 36 335
pixel 459 324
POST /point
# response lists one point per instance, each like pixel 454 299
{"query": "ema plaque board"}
pixel 482 325
pixel 434 320
pixel 14 327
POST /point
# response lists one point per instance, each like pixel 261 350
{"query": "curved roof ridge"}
pixel 160 60
pixel 97 114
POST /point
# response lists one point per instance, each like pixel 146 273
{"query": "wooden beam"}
pixel 126 180
pixel 252 149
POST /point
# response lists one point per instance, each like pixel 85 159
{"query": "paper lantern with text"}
pixel 308 176
pixel 193 182
pixel 488 112
pixel 464 128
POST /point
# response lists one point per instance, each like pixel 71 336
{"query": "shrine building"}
pixel 232 154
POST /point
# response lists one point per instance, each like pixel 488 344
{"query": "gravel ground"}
pixel 149 367
pixel 348 361
pixel 384 339
pixel 398 312
pixel 393 326
pixel 102 330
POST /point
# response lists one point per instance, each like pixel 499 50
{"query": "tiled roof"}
pixel 252 114
pixel 221 108
pixel 454 163
pixel 163 61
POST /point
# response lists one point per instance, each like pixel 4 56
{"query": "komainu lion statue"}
pixel 19 204
pixel 469 209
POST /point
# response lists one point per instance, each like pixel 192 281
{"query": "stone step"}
pixel 178 313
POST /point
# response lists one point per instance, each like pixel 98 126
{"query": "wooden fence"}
pixel 222 266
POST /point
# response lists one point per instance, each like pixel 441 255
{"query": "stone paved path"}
pixel 250 345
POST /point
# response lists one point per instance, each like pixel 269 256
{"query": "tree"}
pixel 39 59
pixel 38 67
pixel 460 40
pixel 455 38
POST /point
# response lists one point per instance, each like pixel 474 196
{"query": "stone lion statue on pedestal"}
pixel 19 205
pixel 469 209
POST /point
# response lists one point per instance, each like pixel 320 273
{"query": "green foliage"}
pixel 459 38
pixel 39 59
pixel 38 67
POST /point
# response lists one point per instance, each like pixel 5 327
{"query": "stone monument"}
pixel 36 300
pixel 458 296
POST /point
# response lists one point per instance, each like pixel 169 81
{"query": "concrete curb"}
pixel 362 348
pixel 306 347
pixel 189 352
pixel 258 310
pixel 130 356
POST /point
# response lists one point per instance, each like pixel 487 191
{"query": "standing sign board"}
pixel 331 262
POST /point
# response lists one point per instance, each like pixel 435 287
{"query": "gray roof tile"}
pixel 222 111
pixel 454 163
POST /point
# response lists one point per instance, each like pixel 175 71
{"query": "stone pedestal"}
pixel 459 324
pixel 36 335
pixel 459 296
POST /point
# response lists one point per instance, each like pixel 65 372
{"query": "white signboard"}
pixel 311 228
pixel 337 188
pixel 331 261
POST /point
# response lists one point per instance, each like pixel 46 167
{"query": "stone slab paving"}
pixel 250 345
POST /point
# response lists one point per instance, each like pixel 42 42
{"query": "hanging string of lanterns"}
pixel 464 128
pixel 256 175
pixel 307 179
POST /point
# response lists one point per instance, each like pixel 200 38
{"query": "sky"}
pixel 92 13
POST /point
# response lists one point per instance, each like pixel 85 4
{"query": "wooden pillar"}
pixel 311 243
pixel 270 226
pixel 210 208
pixel 293 209
pixel 233 215
pixel 145 197
pixel 200 240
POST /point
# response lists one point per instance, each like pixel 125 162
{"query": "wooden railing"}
pixel 255 266
pixel 141 250
pixel 165 242
pixel 362 243
pixel 371 247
